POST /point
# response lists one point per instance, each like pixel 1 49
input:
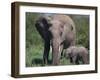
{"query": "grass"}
pixel 34 57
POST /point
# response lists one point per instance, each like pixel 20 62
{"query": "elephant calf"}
pixel 77 54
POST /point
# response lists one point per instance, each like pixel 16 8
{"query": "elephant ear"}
pixel 69 27
pixel 42 23
pixel 45 23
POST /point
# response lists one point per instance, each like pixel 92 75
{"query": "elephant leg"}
pixel 85 59
pixel 71 61
pixel 46 52
pixel 77 60
pixel 62 54
pixel 74 59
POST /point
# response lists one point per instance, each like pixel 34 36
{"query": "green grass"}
pixel 34 57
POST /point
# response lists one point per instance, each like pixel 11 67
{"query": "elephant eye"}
pixel 71 27
pixel 61 34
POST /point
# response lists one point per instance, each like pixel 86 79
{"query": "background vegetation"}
pixel 34 42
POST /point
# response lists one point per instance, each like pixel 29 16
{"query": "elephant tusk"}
pixel 59 49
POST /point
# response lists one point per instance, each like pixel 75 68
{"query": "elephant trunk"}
pixel 55 51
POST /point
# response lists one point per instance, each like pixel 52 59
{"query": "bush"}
pixel 82 30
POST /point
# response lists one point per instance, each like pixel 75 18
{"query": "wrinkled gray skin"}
pixel 77 54
pixel 57 30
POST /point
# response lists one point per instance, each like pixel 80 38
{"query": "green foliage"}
pixel 34 42
pixel 32 36
pixel 82 30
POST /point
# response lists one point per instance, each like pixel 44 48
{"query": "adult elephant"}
pixel 57 30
